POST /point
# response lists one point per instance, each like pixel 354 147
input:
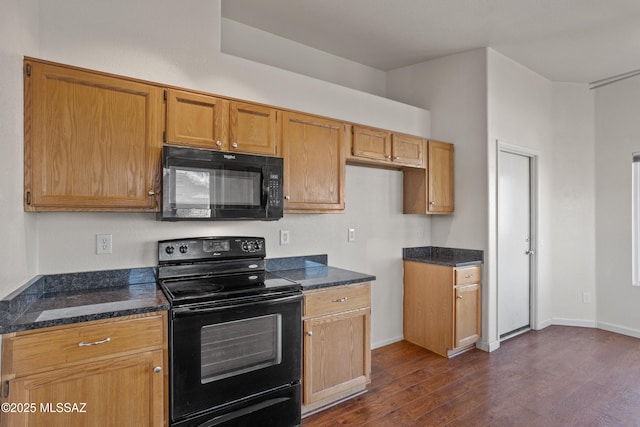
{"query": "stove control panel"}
pixel 204 248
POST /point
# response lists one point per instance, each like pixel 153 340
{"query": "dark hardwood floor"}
pixel 559 376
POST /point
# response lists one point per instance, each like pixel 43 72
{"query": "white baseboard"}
pixel 574 322
pixel 488 346
pixel 618 329
pixel 388 341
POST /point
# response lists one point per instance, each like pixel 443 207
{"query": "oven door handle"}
pixel 194 311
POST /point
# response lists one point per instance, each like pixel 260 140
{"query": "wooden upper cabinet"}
pixel 440 167
pixel 371 143
pixel 408 150
pixel 92 141
pixel 254 129
pixel 197 120
pixel 431 190
pixel 314 163
pixel 379 146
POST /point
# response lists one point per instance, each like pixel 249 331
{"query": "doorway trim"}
pixel 533 156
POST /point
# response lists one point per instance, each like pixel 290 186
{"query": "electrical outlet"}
pixel 351 236
pixel 586 297
pixel 103 244
pixel 284 237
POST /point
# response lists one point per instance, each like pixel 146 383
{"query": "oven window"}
pixel 241 346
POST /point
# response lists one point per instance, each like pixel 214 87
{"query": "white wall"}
pixel 617 128
pixel 251 43
pixel 519 113
pixel 573 248
pixel 178 43
pixel 453 88
pixel 18 231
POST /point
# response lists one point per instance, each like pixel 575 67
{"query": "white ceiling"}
pixel 563 40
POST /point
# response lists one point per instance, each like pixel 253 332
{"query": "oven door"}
pixel 222 355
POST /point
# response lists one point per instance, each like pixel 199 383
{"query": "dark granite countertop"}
pixel 62 299
pixel 453 257
pixel 312 272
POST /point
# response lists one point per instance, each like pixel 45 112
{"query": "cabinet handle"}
pixel 157 369
pixel 468 276
pixel 309 333
pixel 234 145
pixel 152 193
pixel 219 143
pixel 343 299
pixel 88 344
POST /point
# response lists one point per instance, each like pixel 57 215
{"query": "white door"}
pixel 514 242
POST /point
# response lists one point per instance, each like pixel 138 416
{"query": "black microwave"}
pixel 213 185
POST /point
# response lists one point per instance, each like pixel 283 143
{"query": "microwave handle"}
pixel 265 187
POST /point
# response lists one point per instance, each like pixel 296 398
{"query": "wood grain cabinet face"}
pixel 442 306
pixel 431 191
pixel 119 381
pixel 314 163
pixel 254 129
pixel 337 349
pixel 378 146
pixel 195 120
pixel 92 141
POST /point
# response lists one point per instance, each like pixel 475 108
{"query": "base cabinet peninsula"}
pixel 98 373
pixel 337 349
pixel 442 306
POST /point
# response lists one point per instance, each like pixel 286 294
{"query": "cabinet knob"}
pixel 287 197
pixel 459 296
pixel 432 202
pixel 309 333
pixel 343 299
pixel 219 143
pixel 157 369
pixel 234 145
pixel 396 157
pixel 387 157
pixel 152 193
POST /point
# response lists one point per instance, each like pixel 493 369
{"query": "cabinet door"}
pixel 440 169
pixel 92 141
pixel 408 150
pixel 467 314
pixel 371 144
pixel 125 391
pixel 196 120
pixel 336 354
pixel 314 163
pixel 253 129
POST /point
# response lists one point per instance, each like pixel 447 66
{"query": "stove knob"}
pixel 184 249
pixel 169 249
pixel 245 246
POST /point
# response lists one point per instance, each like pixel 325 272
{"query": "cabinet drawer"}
pixel 34 351
pixel 336 300
pixel 469 274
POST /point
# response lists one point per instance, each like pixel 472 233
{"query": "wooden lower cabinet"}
pixel 442 306
pixel 337 347
pixel 107 373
